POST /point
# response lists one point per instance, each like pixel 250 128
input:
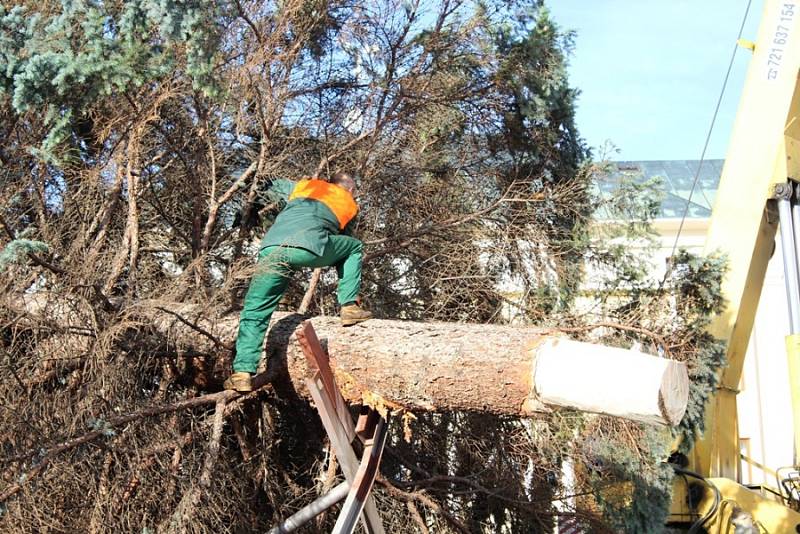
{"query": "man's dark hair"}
pixel 344 180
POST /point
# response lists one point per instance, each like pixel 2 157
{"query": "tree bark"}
pixel 504 370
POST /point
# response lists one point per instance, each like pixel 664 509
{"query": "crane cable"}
pixel 708 135
pixel 697 525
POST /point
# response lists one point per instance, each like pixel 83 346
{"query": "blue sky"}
pixel 650 72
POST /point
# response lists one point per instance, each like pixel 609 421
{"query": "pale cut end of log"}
pixel 611 381
pixel 674 393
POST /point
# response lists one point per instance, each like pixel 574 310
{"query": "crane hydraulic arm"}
pixel 762 161
pixel 757 190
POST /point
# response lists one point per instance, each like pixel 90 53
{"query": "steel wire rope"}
pixel 697 525
pixel 707 140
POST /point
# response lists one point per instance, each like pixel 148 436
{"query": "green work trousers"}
pixel 275 265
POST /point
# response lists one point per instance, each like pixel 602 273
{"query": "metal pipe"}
pixel 306 514
pixel 796 230
pixel 793 356
pixel 793 340
pixel 790 271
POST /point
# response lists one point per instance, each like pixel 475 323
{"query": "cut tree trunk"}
pixel 504 370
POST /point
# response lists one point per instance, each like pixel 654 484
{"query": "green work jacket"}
pixel 307 222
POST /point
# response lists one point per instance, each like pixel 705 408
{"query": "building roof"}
pixel 677 177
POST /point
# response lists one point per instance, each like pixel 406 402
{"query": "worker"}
pixel 314 229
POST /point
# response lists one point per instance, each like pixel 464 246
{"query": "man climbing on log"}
pixel 314 229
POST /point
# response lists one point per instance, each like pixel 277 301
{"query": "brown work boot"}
pixel 239 381
pixel 353 313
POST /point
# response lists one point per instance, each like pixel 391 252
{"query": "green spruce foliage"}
pixel 695 283
pixel 17 250
pixel 59 64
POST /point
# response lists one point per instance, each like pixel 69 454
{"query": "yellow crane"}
pixel 758 194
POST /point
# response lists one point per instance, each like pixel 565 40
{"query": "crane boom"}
pixel 758 177
pixel 763 152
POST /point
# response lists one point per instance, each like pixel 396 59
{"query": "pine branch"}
pixel 229 399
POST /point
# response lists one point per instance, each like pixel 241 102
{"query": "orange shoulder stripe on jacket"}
pixel 338 199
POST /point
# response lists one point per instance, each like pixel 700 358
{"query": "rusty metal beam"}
pixel 364 479
pixel 336 419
